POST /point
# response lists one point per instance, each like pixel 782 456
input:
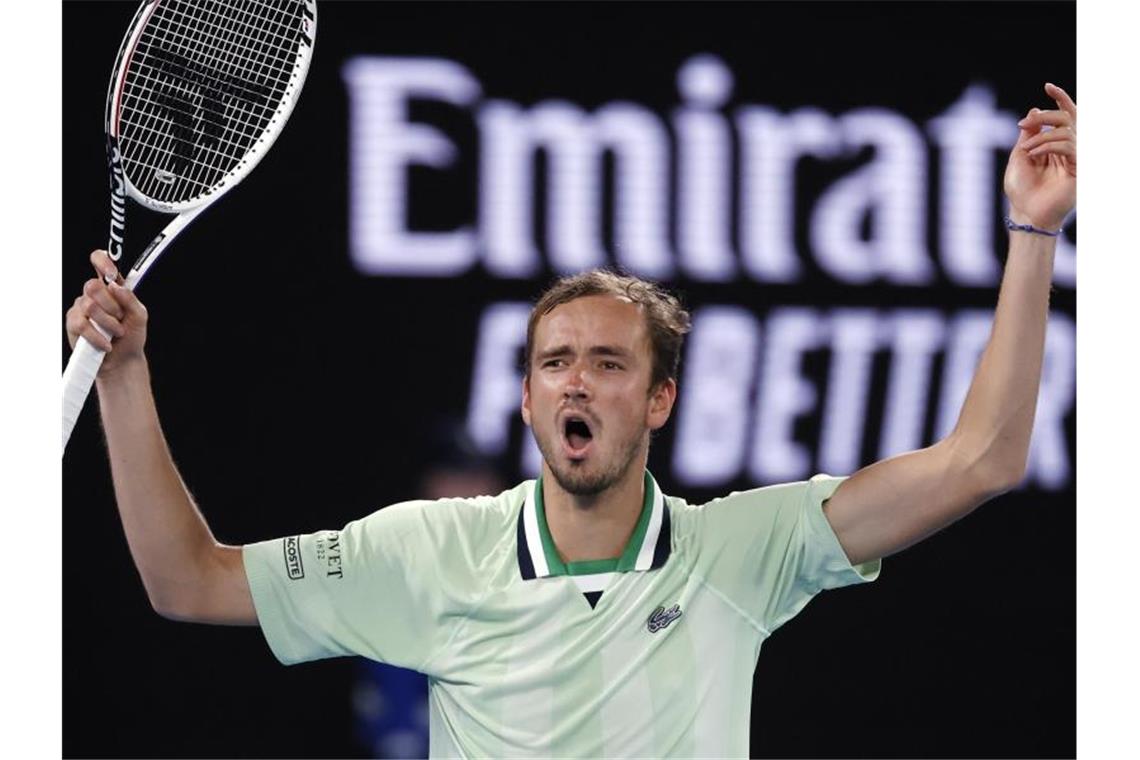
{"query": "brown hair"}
pixel 666 318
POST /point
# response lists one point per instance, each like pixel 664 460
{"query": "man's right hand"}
pixel 187 574
pixel 115 309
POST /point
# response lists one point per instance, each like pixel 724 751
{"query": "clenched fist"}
pixel 113 308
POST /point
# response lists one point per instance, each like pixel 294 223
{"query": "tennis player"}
pixel 587 613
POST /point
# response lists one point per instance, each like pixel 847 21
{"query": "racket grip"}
pixel 77 381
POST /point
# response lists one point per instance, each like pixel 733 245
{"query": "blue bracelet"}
pixel 1011 225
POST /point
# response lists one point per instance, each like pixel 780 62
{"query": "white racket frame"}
pixel 86 359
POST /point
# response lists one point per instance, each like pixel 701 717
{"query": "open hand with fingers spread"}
pixel 1041 176
pixel 112 307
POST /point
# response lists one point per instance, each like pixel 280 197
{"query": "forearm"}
pixel 893 503
pixel 994 426
pixel 170 542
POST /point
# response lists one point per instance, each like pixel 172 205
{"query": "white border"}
pixel 1108 666
pixel 31 488
pixel 1108 653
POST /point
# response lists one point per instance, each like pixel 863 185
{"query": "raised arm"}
pixel 187 574
pixel 894 503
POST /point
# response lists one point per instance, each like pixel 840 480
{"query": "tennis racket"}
pixel 200 91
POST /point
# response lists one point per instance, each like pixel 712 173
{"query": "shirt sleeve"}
pixel 770 550
pixel 369 589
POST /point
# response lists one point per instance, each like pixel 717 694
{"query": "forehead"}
pixel 592 320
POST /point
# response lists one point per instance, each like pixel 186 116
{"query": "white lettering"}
pixel 968 135
pixel 496 386
pixel 770 146
pixel 785 395
pixel 1048 464
pixel 713 417
pixel 382 145
pixel 734 420
pixel 855 338
pixel 867 226
pixel 704 155
pixel 504 193
pixel 641 193
pixel 574 143
pixel 890 191
pixel 917 335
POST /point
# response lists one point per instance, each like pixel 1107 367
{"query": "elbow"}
pixel 175 615
pixel 181 611
pixel 167 605
pixel 174 601
pixel 1008 468
pixel 1011 481
pixel 203 593
pixel 991 470
pixel 995 477
pixel 167 613
pixel 1002 482
pixel 1011 478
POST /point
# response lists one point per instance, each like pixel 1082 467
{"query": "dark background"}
pixel 294 390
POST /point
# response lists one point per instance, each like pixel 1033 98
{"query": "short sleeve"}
pixel 770 550
pixel 372 589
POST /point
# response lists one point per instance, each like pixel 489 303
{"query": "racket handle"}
pixel 85 362
pixel 77 380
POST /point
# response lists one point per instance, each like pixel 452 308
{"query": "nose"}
pixel 577 388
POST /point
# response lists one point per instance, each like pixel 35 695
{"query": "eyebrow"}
pixel 563 350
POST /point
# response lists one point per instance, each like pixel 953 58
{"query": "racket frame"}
pixel 256 151
pixel 86 359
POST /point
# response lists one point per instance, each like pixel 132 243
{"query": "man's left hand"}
pixel 1041 176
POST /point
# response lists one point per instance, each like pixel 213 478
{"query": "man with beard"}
pixel 586 613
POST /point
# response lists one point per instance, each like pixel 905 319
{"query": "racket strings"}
pixel 150 71
pixel 203 84
pixel 183 114
pixel 270 50
pixel 234 47
pixel 178 146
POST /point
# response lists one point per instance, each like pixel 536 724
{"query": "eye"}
pixel 553 363
pixel 608 365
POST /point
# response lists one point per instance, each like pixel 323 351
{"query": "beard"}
pixel 576 477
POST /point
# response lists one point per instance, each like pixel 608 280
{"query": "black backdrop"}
pixel 294 389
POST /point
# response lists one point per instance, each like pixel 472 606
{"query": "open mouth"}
pixel 577 434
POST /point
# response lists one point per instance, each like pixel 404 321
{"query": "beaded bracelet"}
pixel 1011 225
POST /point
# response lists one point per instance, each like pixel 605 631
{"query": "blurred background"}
pixel 822 184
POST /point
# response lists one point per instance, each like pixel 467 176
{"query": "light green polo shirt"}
pixel 650 654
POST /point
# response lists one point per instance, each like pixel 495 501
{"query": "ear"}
pixel 526 400
pixel 661 403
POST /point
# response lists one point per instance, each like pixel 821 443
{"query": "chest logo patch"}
pixel 662 617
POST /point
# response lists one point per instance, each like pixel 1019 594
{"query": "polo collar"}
pixel 648 547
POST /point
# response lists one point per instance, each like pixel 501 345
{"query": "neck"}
pixel 597 526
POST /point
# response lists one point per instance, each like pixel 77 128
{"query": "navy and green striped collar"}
pixel 647 549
